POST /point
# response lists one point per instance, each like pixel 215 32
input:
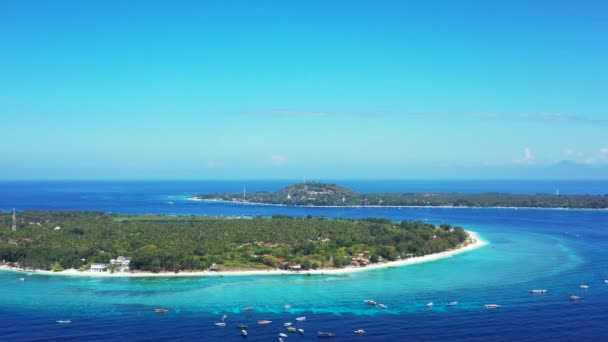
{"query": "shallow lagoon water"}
pixel 550 249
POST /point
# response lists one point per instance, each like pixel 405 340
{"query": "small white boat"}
pixel 539 291
pixel 575 298
pixel 249 308
pixel 64 321
pixel 224 318
pixel 287 307
pixel 288 324
pixel 429 304
pixel 282 335
pixel 452 303
pixel 220 324
pixel 359 331
pixel 244 332
pixel 264 322
pixel 281 339
pixel 301 331
pixel 30 273
pixel 382 306
pixel 492 306
pixel 606 281
pixel 584 286
pixel 22 279
pixel 370 302
pixel 301 319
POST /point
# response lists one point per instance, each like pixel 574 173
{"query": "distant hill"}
pixel 329 194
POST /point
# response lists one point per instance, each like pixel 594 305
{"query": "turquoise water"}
pixel 528 249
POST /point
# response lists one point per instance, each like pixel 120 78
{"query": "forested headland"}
pixel 321 194
pixel 57 240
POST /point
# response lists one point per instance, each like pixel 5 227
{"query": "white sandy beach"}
pixel 475 242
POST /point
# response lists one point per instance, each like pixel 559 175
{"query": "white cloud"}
pixel 528 158
pixel 278 159
pixel 211 163
pixel 604 150
pixel 569 152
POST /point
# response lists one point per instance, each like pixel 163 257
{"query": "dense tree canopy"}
pixel 47 240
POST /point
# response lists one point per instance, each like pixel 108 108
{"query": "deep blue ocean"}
pixel 528 249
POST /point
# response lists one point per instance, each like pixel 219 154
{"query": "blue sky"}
pixel 316 89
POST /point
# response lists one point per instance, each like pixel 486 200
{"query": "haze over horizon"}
pixel 322 90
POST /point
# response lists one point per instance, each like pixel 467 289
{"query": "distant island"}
pixel 322 194
pixel 91 243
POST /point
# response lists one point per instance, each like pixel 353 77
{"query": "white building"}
pixel 98 267
pixel 121 263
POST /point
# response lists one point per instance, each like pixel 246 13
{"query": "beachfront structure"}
pixel 121 263
pixel 98 267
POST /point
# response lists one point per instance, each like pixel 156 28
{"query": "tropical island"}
pixel 94 243
pixel 322 194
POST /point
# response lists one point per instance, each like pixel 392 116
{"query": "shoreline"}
pixel 475 243
pixel 388 206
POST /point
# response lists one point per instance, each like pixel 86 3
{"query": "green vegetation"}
pixel 61 240
pixel 319 194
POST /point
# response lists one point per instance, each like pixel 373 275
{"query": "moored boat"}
pixel 606 281
pixel 220 324
pixel 492 306
pixel 370 302
pixel 301 331
pixel 382 306
pixel 244 332
pixel 288 324
pixel 242 326
pixel 452 303
pixel 301 319
pixel 359 331
pixel 161 310
pixel 264 322
pixel 429 304
pixel 282 335
pixel 325 334
pixel 539 291
pixel 64 321
pixel 575 298
pixel 584 286
pixel 291 329
pixel 248 308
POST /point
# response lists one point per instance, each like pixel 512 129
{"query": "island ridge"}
pixel 322 194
